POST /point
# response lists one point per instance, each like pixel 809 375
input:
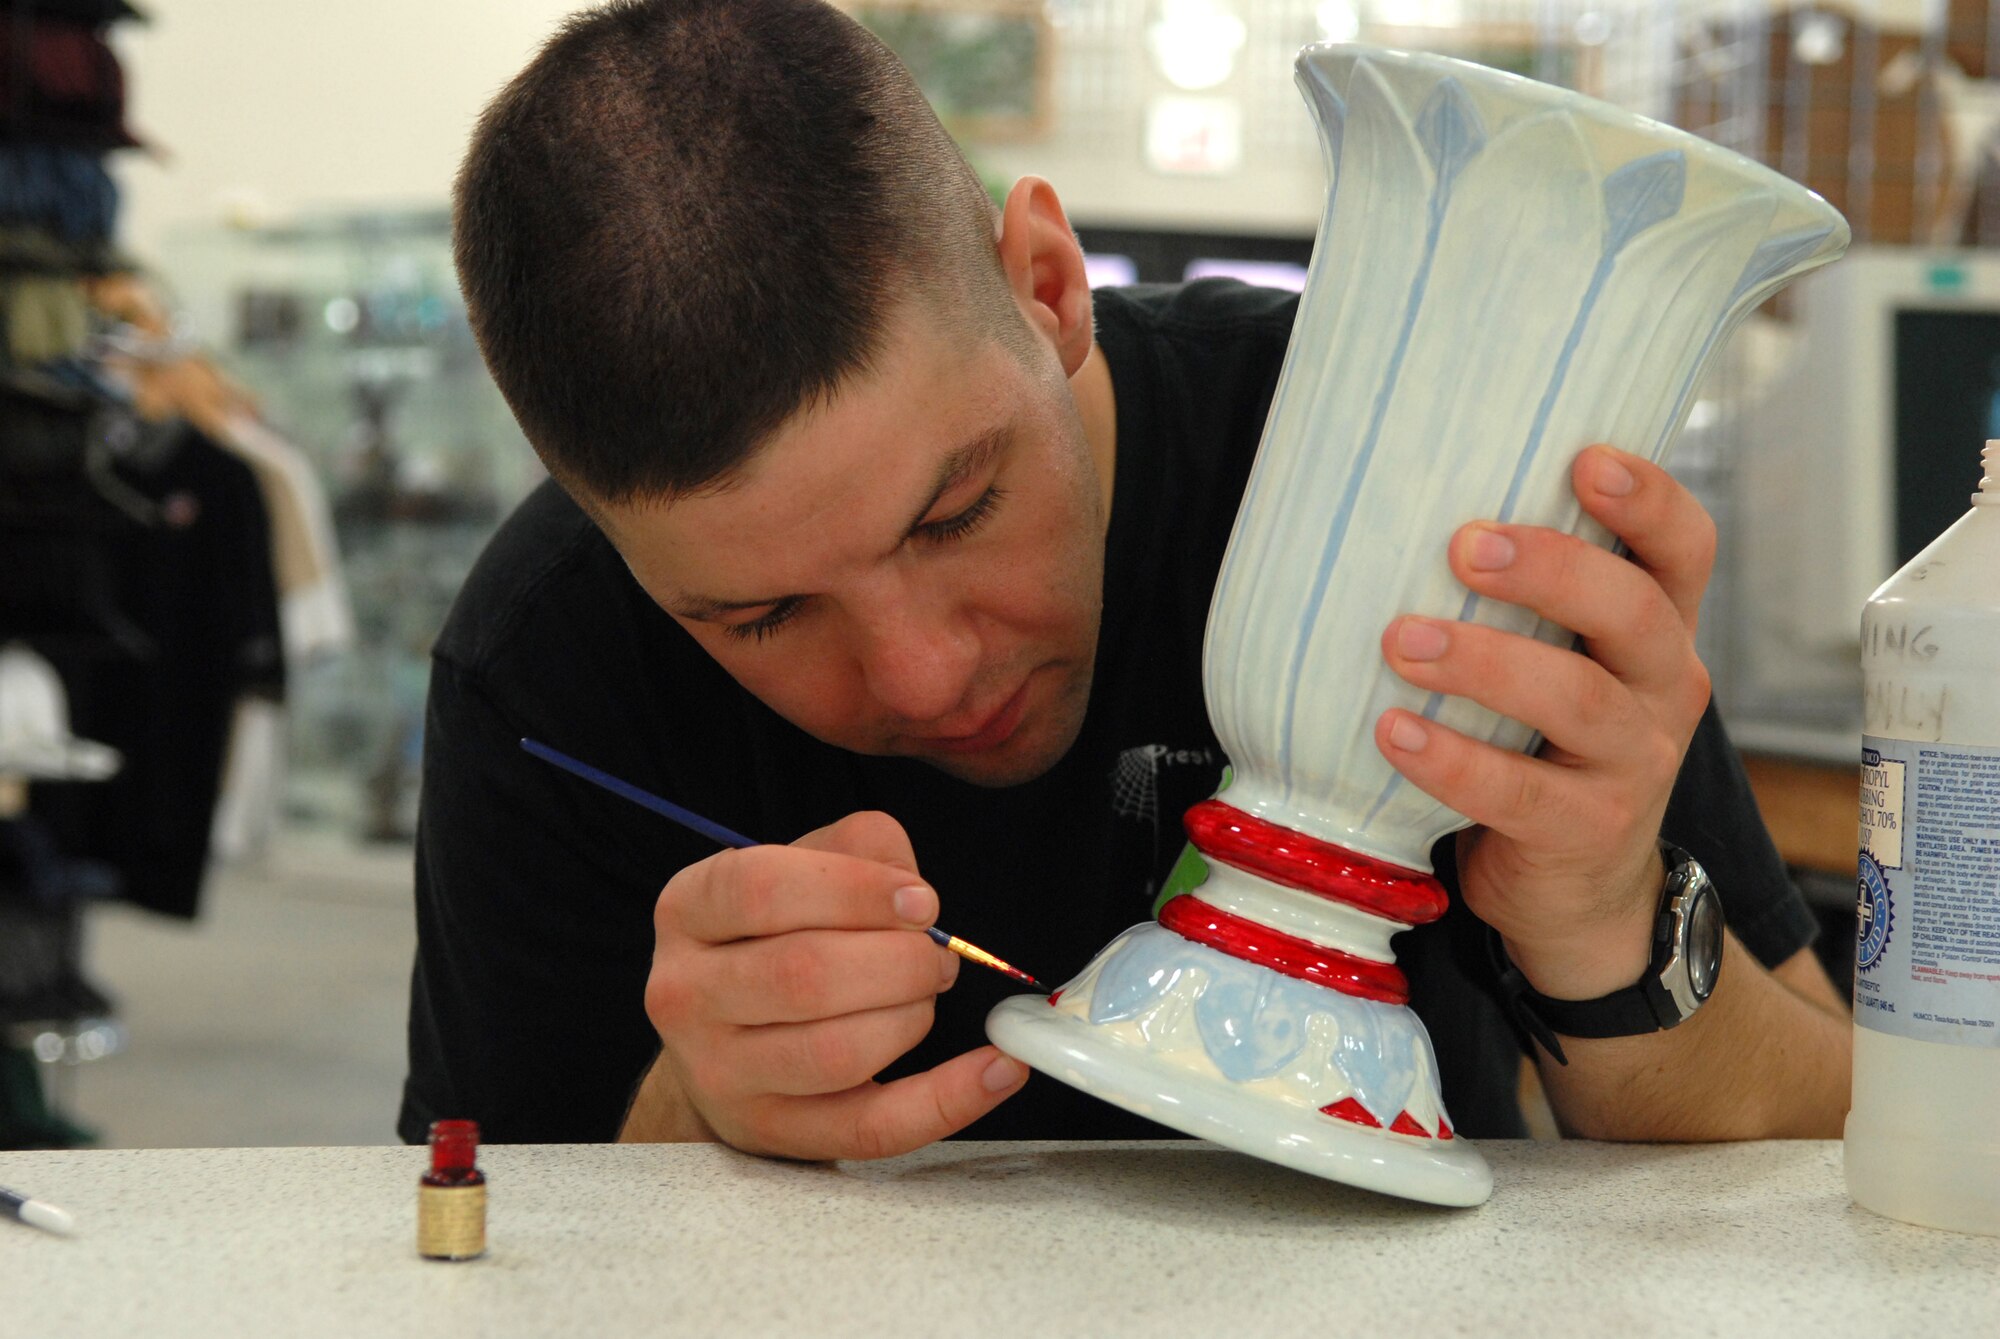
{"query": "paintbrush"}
pixel 715 832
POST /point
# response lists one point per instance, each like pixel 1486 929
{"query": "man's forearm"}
pixel 1761 1060
pixel 661 1113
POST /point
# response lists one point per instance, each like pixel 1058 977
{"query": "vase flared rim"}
pixel 1582 105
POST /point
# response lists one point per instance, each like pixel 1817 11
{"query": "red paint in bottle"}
pixel 451 1196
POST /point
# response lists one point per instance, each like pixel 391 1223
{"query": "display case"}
pixel 351 332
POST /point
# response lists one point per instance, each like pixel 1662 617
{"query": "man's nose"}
pixel 920 661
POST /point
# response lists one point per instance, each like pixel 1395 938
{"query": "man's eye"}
pixel 963 524
pixel 950 528
pixel 757 629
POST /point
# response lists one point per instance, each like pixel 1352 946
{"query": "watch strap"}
pixel 1622 1013
pixel 1640 1008
pixel 1513 987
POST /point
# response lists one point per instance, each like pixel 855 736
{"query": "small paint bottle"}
pixel 451 1196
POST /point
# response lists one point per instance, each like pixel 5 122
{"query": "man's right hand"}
pixel 784 978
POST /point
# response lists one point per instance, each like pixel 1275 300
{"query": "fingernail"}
pixel 1489 551
pixel 947 970
pixel 1003 1074
pixel 916 905
pixel 1613 479
pixel 1418 640
pixel 1407 735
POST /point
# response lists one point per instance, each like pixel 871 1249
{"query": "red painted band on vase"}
pixel 1191 918
pixel 1295 860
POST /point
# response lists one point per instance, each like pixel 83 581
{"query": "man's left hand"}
pixel 1564 859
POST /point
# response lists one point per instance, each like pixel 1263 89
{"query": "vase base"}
pixel 1436 1172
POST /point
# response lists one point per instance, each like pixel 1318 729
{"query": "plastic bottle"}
pixel 1923 1134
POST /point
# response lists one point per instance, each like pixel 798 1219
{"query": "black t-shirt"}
pixel 535 891
pixel 198 585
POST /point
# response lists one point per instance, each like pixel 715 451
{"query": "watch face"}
pixel 1704 942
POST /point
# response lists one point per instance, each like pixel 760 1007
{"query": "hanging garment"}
pixel 164 380
pixel 316 618
pixel 200 585
pixel 314 609
pixel 61 503
pixel 250 808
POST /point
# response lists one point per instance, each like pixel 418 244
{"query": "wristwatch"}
pixel 1687 958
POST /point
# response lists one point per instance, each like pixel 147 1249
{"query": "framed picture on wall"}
pixel 985 65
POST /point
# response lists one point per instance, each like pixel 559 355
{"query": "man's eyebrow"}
pixel 703 609
pixel 959 465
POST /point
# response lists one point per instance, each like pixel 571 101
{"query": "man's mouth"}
pixel 997 729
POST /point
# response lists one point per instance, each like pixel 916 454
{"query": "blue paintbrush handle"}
pixel 687 818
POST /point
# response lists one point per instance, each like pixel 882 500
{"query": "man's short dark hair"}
pixel 687 220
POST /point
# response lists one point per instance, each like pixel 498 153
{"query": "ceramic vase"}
pixel 1505 273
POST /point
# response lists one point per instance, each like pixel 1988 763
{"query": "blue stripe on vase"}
pixel 1638 195
pixel 1450 132
pixel 1772 259
pixel 1642 193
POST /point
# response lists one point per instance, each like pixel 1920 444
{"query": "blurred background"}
pixel 248 451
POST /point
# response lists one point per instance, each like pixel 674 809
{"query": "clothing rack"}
pixel 61 501
pixel 163 554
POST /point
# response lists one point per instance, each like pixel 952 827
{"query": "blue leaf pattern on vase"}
pixel 1364 460
pixel 1449 129
pixel 1250 1026
pixel 1253 1022
pixel 1637 196
pixel 1376 1060
pixel 1777 256
pixel 1130 983
pixel 1645 191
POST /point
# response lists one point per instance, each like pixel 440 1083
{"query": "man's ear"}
pixel 1044 267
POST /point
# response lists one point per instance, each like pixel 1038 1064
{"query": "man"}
pixel 876 526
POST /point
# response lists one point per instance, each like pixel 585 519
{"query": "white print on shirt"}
pixel 1135 779
pixel 1141 785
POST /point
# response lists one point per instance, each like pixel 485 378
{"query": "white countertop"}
pixel 1159 1240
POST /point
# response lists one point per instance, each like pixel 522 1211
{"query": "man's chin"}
pixel 1029 754
pixel 993 770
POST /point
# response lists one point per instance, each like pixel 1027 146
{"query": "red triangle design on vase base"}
pixel 1348 1109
